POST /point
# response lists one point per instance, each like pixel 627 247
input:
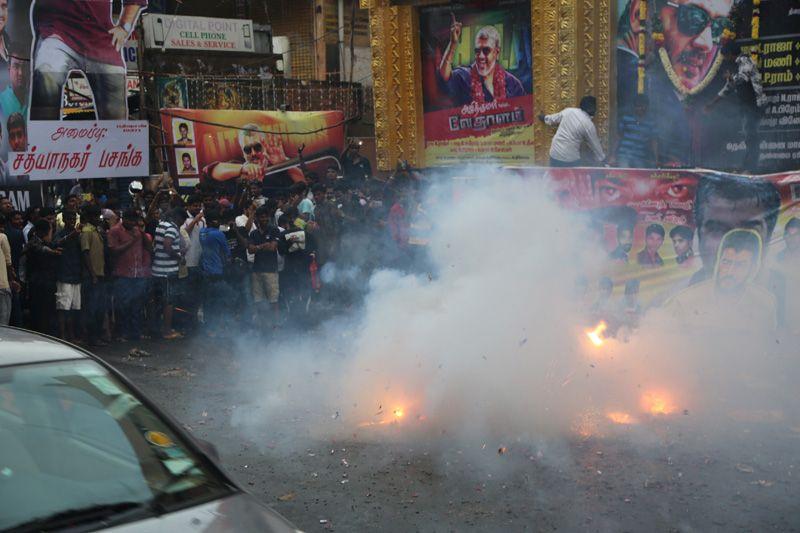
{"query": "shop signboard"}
pixel 198 33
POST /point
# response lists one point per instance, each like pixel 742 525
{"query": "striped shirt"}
pixel 163 264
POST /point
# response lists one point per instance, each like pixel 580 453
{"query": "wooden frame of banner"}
pixel 572 44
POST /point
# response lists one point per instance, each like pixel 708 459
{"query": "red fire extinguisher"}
pixel 316 284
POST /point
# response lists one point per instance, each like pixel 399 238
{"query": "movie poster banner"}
pixel 681 107
pixel 477 83
pixel 83 149
pixel 273 147
pixel 658 234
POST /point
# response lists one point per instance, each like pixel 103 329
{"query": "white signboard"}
pixel 83 149
pixel 197 33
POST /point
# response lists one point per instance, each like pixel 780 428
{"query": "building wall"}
pixel 335 49
pixel 295 19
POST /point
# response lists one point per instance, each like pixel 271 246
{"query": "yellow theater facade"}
pixel 571 43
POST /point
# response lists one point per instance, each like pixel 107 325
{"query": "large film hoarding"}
pixel 477 83
pixel 684 70
pixel 226 146
pixel 659 233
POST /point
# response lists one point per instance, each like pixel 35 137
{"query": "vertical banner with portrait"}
pixel 698 107
pixel 66 57
pixel 14 86
pixel 477 83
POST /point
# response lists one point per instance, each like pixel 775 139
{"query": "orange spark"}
pixel 394 418
pixel 618 417
pixel 657 403
pixel 596 335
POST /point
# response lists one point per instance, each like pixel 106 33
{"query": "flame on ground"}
pixel 392 418
pixel 657 403
pixel 620 417
pixel 596 335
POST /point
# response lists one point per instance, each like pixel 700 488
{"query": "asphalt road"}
pixel 678 483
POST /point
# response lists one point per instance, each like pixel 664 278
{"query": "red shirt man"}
pixel 130 249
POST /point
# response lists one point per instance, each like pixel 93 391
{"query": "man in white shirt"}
pixel 574 127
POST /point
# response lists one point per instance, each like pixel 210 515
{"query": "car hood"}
pixel 241 512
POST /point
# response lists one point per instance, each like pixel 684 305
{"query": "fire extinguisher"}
pixel 313 269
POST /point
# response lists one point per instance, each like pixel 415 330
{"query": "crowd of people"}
pixel 166 265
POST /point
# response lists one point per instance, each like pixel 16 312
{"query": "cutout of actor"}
pixel 731 299
pixel 80 35
pixel 726 203
pixel 483 81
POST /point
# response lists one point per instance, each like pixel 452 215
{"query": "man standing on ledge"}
pixel 483 81
pixel 81 35
pixel 574 126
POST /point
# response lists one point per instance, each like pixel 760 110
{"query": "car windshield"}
pixel 73 438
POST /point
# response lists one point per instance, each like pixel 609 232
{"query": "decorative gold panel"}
pixel 571 58
pixel 394 37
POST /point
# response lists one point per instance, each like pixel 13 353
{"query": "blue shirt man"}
pixel 216 251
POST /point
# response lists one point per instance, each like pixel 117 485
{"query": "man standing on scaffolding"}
pixel 81 35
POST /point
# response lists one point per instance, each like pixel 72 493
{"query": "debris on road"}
pixel 177 372
pixel 137 353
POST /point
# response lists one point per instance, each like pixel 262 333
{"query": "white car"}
pixel 82 449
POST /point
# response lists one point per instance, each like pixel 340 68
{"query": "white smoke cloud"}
pixel 491 344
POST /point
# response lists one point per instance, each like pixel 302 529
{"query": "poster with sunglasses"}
pixel 477 83
pixel 264 146
pixel 684 118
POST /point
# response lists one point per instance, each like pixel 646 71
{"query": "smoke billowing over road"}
pixel 490 346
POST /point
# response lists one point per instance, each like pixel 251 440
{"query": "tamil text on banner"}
pixel 198 33
pixel 677 76
pixel 83 149
pixel 273 147
pixel 658 235
pixel 477 83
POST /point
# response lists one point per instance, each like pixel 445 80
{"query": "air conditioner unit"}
pixel 280 45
